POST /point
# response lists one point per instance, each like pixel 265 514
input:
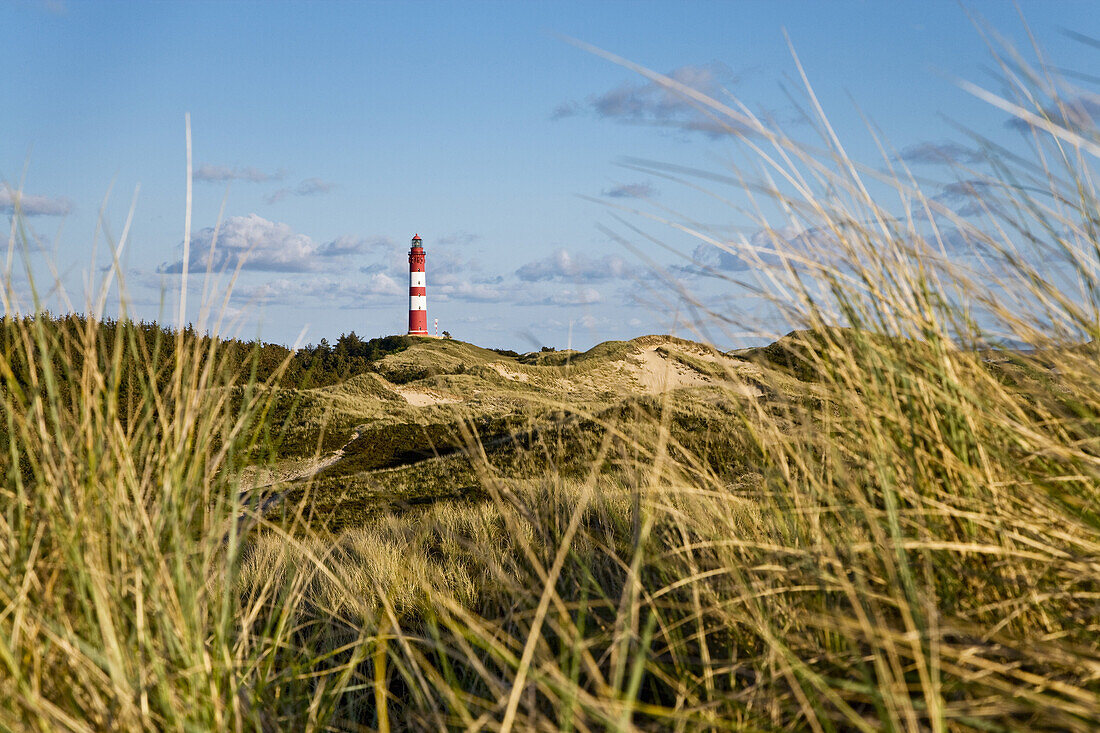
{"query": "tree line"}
pixel 143 352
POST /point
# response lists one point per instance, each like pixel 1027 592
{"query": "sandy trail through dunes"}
pixel 253 477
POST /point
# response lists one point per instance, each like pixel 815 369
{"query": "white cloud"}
pixel 571 296
pixel 630 191
pixel 941 153
pixel 459 238
pixel 32 205
pixel 254 243
pixel 966 198
pixel 1078 114
pixel 564 265
pixel 809 248
pixel 466 290
pixel 382 284
pixel 348 245
pixel 308 187
pixel 766 247
pixel 654 103
pixel 208 173
pixel 376 289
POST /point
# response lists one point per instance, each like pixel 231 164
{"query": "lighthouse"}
pixel 418 291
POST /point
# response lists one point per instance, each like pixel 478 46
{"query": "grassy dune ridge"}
pixel 878 522
pixel 411 436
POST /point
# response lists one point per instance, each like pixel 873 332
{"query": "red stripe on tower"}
pixel 418 290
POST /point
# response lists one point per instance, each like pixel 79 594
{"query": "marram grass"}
pixel 900 533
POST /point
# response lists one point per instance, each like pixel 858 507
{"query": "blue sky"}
pixel 334 131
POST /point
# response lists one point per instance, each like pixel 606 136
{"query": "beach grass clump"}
pixel 120 535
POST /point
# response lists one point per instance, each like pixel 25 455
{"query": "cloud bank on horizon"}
pixel 313 273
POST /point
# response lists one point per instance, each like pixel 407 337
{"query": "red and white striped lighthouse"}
pixel 418 290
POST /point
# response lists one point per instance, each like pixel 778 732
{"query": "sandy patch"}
pixel 420 398
pixel 509 374
pixel 656 373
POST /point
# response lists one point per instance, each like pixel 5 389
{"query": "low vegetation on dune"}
pixel 406 426
pixel 880 521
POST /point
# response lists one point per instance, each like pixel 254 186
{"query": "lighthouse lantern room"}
pixel 418 291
